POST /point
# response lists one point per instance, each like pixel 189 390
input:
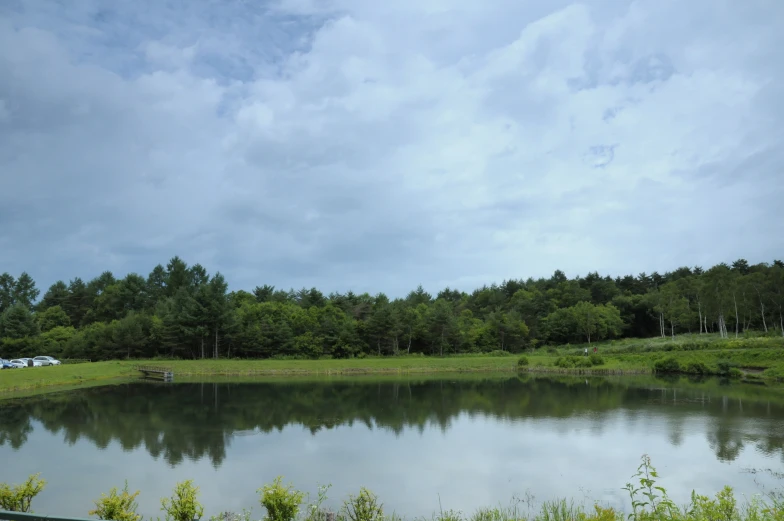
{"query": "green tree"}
pixel 53 317
pixel 25 291
pixel 17 322
pixel 56 295
pixel 7 288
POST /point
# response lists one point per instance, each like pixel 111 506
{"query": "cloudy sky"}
pixel 368 145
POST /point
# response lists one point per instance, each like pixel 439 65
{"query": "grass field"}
pixel 758 358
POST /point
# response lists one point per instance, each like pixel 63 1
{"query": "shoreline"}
pixel 754 365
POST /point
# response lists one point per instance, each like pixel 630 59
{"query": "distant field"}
pixel 759 357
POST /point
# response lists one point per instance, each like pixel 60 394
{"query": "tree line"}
pixel 182 311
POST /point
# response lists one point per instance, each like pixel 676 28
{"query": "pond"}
pixel 460 442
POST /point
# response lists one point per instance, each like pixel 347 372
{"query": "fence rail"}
pixel 166 373
pixel 25 516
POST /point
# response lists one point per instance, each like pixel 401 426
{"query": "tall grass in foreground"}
pixel 649 502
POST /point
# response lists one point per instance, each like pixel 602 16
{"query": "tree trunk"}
pixel 442 341
pixel 216 343
pixel 202 346
pixel 781 318
pixel 735 301
pixel 672 329
pixel 408 349
pixel 762 312
pixel 699 310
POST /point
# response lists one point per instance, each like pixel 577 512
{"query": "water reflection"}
pixel 481 440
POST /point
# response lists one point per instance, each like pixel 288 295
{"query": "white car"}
pixel 36 363
pixel 46 360
pixel 18 363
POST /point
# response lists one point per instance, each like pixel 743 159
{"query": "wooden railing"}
pixel 156 371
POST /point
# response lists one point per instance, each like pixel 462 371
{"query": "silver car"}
pixel 46 360
pixel 36 363
pixel 18 363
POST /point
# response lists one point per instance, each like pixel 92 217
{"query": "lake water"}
pixel 465 442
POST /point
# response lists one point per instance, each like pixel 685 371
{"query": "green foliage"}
pixel 315 511
pixel 53 317
pixel 363 507
pixel 17 322
pixel 667 365
pixel 19 498
pixel 182 311
pixel 183 504
pixel 573 362
pixel 117 507
pixel 695 367
pixel 282 503
pixel 596 359
pixel 522 361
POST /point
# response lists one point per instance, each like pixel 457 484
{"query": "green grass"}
pixel 757 358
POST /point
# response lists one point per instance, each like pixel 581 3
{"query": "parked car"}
pixel 18 363
pixel 36 363
pixel 6 364
pixel 47 360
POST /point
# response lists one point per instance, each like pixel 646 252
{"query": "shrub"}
pixel 571 362
pixel 20 497
pixel 364 507
pixel 735 373
pixel 522 361
pixel 667 365
pixel 582 361
pixel 728 368
pixel 282 503
pixel 697 368
pixel 596 359
pixel 117 507
pixel 183 505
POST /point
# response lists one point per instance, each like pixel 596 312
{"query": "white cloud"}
pixel 348 145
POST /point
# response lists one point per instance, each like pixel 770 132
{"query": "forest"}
pixel 182 311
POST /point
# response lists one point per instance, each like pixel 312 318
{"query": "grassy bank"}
pixel 752 358
pixel 648 501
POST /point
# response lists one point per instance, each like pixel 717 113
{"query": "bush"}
pixel 697 368
pixel 583 362
pixel 522 361
pixel 183 505
pixel 667 365
pixel 20 497
pixel 282 503
pixel 116 507
pixel 725 367
pixel 735 373
pixel 364 507
pixel 572 362
pixel 596 359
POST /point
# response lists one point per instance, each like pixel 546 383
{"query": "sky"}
pixel 374 146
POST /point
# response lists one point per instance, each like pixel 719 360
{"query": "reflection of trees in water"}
pixel 178 421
